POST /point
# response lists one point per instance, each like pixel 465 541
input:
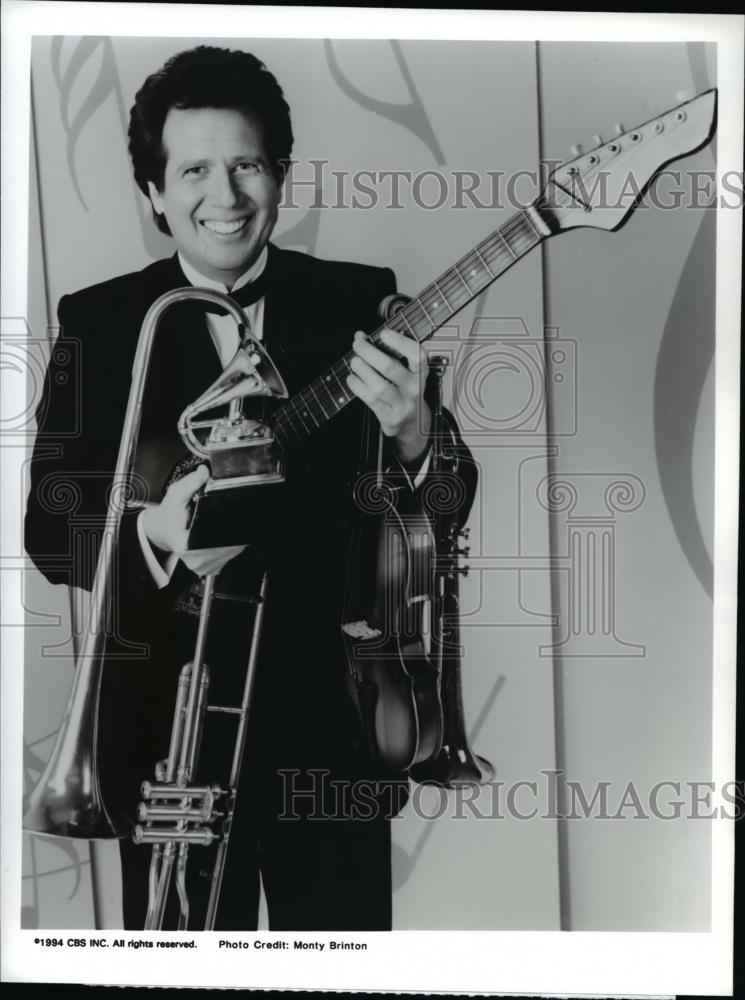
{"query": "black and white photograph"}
pixel 369 533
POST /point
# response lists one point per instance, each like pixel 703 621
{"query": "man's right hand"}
pixel 165 526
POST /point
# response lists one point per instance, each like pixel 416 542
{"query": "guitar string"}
pixel 285 422
pixel 515 228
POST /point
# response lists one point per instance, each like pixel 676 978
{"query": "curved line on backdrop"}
pixel 683 361
pixel 412 116
pixel 97 94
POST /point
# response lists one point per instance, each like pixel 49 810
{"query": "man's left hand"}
pixel 393 390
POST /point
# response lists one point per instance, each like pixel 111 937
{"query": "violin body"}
pixel 395 683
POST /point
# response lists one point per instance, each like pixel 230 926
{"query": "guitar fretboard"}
pixel 328 394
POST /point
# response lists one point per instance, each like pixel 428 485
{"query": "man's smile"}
pixel 224 228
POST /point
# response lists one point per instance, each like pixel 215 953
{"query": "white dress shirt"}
pixel 227 340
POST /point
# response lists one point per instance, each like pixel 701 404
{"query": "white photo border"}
pixel 505 962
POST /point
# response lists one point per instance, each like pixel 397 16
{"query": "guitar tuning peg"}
pixel 597 139
pixel 576 149
pixel 618 128
pixel 683 95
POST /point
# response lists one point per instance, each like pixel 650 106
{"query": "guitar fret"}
pixel 527 218
pixel 338 401
pixel 318 400
pixel 462 279
pixel 405 318
pixel 509 248
pixel 346 392
pixel 304 413
pixel 444 296
pixel 418 304
pixel 284 424
pixel 483 261
pixel 435 306
pixel 280 428
pixel 323 383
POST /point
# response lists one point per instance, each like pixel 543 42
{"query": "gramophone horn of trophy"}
pixel 241 450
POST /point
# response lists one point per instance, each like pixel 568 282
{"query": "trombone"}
pixel 67 800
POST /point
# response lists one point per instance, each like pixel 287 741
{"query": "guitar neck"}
pixel 328 394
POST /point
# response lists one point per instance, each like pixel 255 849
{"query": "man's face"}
pixel 219 196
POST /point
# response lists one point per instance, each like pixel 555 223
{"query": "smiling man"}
pixel 210 137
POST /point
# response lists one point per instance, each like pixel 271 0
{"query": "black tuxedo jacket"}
pixel 302 712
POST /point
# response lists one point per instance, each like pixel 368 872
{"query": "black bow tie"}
pixel 244 296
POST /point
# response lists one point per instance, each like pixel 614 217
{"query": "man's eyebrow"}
pixel 254 155
pixel 205 161
pixel 197 162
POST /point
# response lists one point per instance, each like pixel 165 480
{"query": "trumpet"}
pixel 67 800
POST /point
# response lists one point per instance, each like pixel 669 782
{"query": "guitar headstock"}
pixel 600 188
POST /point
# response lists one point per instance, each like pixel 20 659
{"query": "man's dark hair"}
pixel 206 77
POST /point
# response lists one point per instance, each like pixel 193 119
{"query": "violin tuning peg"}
pixel 576 149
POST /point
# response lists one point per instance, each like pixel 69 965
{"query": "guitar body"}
pixel 396 683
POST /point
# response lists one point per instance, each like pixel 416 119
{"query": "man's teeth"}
pixel 224 228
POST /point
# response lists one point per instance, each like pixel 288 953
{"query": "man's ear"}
pixel 155 197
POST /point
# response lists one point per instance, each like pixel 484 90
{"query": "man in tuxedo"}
pixel 210 136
